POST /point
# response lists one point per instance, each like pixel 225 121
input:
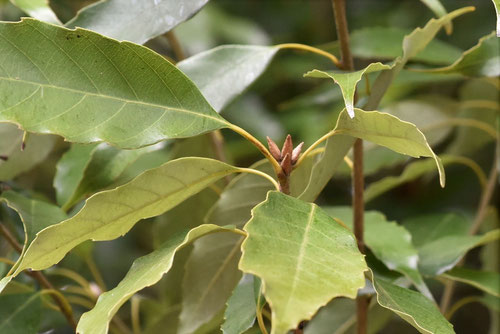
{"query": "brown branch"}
pixel 40 277
pixel 347 62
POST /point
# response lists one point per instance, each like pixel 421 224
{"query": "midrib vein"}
pixel 103 96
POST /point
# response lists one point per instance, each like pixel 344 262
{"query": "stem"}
pixel 135 315
pixel 176 46
pixel 312 49
pixel 95 272
pixel 58 298
pixel 357 175
pixel 460 303
pixel 314 145
pixel 264 175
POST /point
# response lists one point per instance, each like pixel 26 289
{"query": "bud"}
pixel 286 164
pixel 287 147
pixel 296 153
pixel 273 148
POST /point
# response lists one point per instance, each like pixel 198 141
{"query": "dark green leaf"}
pixel 241 307
pixel 20 313
pixel 487 281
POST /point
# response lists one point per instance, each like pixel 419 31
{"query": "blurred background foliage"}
pixel 283 101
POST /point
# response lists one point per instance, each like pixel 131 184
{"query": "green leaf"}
pixel 145 271
pixel 482 60
pixel 444 253
pixel 225 72
pixel 389 242
pixel 292 245
pixel 487 281
pixel 210 277
pixel 110 214
pixel 36 150
pixel 428 228
pixel 86 169
pixel 411 172
pixel 135 21
pixel 241 307
pixel 95 88
pixel 496 4
pixel 38 9
pixel 389 131
pixel 348 81
pixel 35 216
pixel 439 10
pixel 385 43
pixel 413 307
pixel 336 149
pixel 20 313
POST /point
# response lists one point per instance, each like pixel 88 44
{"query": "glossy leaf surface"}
pixel 487 281
pixel 110 214
pixel 413 307
pixel 223 73
pixel 36 150
pixel 145 271
pixel 292 245
pixel 348 81
pixel 113 18
pixel 89 88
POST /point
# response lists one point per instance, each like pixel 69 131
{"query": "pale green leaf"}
pixel 482 60
pixel 38 9
pixel 389 131
pixel 20 313
pixel 95 88
pixel 413 307
pixel 348 81
pixel 411 172
pixel 223 73
pixel 385 43
pixel 145 271
pixel 438 9
pixel 292 245
pixel 211 273
pixel 110 214
pixel 444 253
pixel 135 21
pixel 36 150
pixel 484 280
pixel 241 307
pixel 35 216
pixel 390 243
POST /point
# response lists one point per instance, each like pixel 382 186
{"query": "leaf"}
pixel 38 9
pixel 385 43
pixel 241 306
pixel 442 254
pixel 89 168
pixel 428 228
pixel 20 313
pixel 95 88
pixel 36 150
pixel 225 72
pixel 389 242
pixel 411 172
pixel 110 214
pixel 145 271
pixel 412 307
pixel 496 4
pixel 292 245
pixel 113 18
pixel 348 81
pixel 482 60
pixel 35 216
pixel 486 281
pixel 439 10
pixel 336 149
pixel 211 275
pixel 389 131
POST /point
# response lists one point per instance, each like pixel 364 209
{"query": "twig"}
pixel 176 46
pixel 347 63
pixel 59 299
